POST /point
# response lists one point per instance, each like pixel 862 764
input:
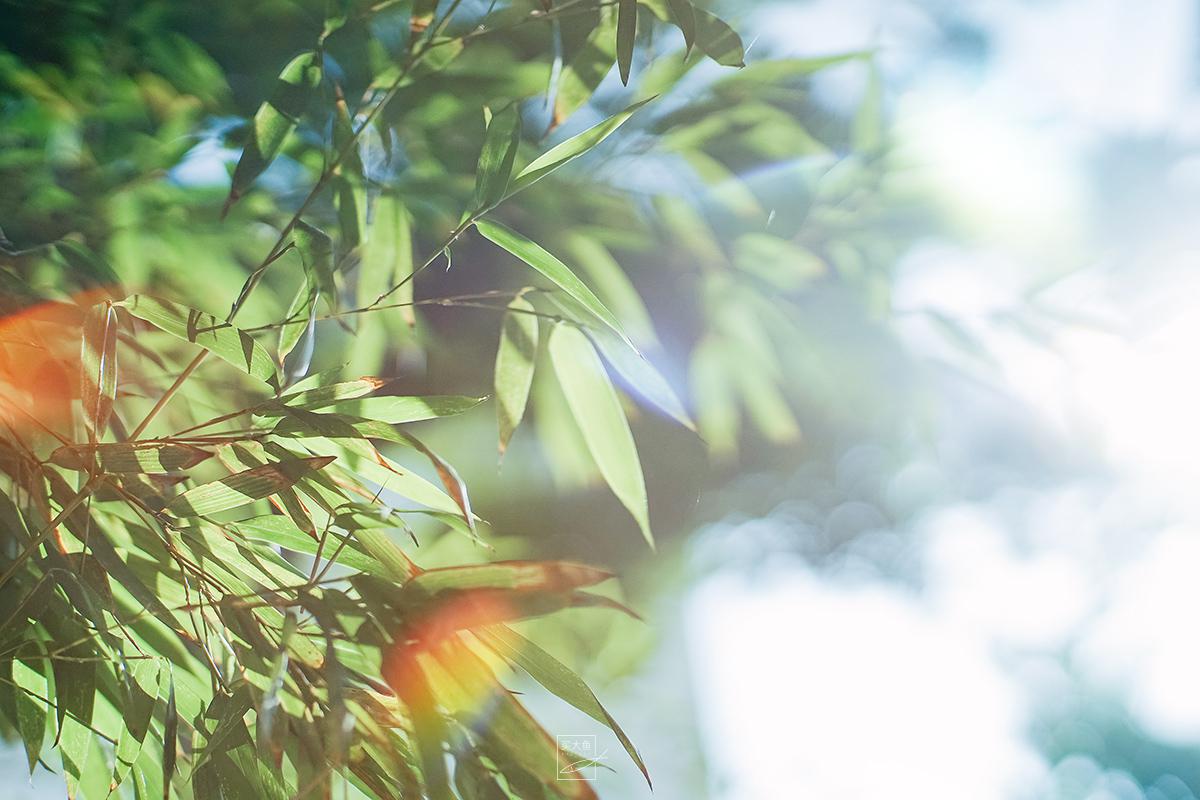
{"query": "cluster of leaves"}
pixel 212 601
pixel 221 610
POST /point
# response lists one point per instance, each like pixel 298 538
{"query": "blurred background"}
pixel 946 540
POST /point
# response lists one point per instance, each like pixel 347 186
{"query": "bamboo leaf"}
pixel 137 710
pixel 98 368
pixel 220 338
pixel 300 320
pixel 496 159
pixel 570 149
pixel 32 688
pixel 583 73
pixel 322 396
pixel 685 18
pixel 279 530
pixel 515 361
pixel 537 257
pixel 170 739
pixel 75 697
pixel 387 258
pixel 626 33
pixel 316 253
pixel 398 409
pixel 244 487
pixel 558 679
pixel 274 120
pixel 529 576
pixel 126 458
pixel 597 411
pixel 717 40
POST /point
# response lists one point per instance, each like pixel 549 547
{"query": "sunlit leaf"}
pixel 30 696
pixel 557 678
pixel 545 576
pixel 515 361
pixel 220 338
pixel 244 487
pixel 143 457
pixel 544 262
pixel 98 368
pixel 570 149
pixel 598 413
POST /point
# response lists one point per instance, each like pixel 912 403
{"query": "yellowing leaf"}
pixel 220 338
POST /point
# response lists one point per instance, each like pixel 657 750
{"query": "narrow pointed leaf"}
pixel 685 18
pixel 220 338
pixel 98 368
pixel 387 257
pixel 137 710
pixel 558 679
pixel 541 576
pixel 496 159
pixel 515 361
pixel 626 33
pixel 244 487
pixel 274 120
pixel 717 40
pixel 316 252
pixel 170 740
pixel 544 262
pixel 570 149
pixel 601 420
pixel 150 457
pixel 31 688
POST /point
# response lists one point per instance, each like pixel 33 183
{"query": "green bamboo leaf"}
pixel 220 338
pixel 515 361
pixel 397 409
pixel 270 727
pixel 684 16
pixel 279 530
pixel 584 72
pixel 529 576
pixel 388 256
pixel 535 256
pixel 98 368
pixel 350 201
pixel 316 252
pixel 274 120
pixel 300 320
pixel 30 698
pixel 559 680
pixel 170 739
pixel 717 40
pixel 570 149
pixel 321 396
pixel 75 697
pixel 496 159
pixel 639 375
pixel 138 708
pixel 244 487
pixel 613 286
pixel 597 411
pixel 626 33
pixel 126 458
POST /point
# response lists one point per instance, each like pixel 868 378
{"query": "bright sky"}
pixel 839 687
